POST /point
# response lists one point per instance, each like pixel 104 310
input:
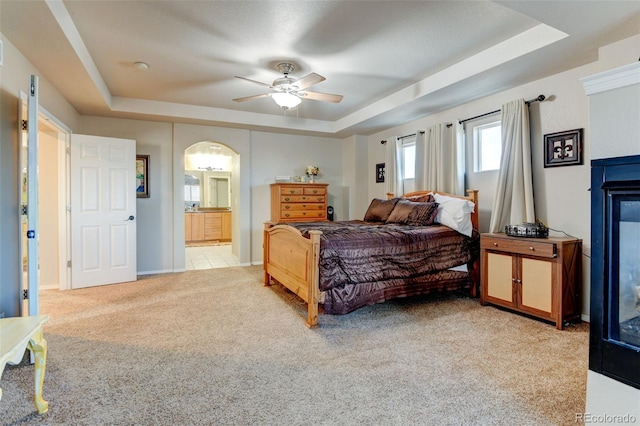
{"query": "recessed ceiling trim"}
pixel 196 112
pixel 526 42
pixel 62 17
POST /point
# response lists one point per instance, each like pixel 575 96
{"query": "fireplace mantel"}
pixel 612 79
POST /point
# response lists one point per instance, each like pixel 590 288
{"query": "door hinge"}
pixel 25 294
pixel 25 124
pixel 68 264
pixel 25 209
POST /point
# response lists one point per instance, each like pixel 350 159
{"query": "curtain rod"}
pixel 403 137
pixel 540 98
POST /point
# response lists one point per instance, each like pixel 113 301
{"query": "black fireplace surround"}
pixel 614 341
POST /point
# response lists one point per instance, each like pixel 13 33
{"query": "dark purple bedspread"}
pixel 377 256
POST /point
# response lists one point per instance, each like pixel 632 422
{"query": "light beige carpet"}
pixel 215 347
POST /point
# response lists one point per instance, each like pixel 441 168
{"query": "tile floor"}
pixel 208 257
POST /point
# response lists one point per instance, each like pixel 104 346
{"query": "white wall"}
pixel 562 196
pixel 262 156
pixel 14 78
pixel 274 154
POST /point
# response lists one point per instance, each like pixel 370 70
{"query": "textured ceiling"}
pixel 393 61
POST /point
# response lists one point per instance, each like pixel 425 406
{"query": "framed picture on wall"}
pixel 563 148
pixel 142 176
pixel 380 172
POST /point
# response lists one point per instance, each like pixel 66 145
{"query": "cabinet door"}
pixel 226 226
pixel 187 227
pixel 197 227
pixel 499 277
pixel 536 284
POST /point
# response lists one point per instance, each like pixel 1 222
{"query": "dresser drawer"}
pixel 302 199
pixel 304 214
pixel 302 206
pixel 291 190
pixel 534 247
pixel 315 191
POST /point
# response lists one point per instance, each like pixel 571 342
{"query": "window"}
pixel 487 144
pixel 409 160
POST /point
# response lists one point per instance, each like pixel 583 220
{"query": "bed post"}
pixel 474 266
pixel 314 279
pixel 265 256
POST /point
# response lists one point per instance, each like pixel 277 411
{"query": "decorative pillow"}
pixel 379 210
pixel 426 198
pixel 413 213
pixel 455 213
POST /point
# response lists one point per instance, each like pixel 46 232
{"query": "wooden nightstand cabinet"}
pixel 541 277
pixel 298 202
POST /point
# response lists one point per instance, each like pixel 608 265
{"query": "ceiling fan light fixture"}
pixel 286 100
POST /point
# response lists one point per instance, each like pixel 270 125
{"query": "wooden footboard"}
pixel 292 260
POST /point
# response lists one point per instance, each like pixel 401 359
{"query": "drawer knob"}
pixel 287 206
pixel 495 244
pixel 315 191
pixel 292 191
pixel 531 248
pixel 286 198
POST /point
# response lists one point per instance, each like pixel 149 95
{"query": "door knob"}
pixel 129 218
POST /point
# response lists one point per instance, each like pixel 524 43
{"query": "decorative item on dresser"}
pixel 541 277
pixel 298 202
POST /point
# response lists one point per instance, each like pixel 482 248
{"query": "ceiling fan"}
pixel 289 92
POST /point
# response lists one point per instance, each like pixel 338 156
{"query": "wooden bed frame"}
pixel 292 259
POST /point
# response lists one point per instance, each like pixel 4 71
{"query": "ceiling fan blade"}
pixel 308 81
pixel 254 81
pixel 316 96
pixel 249 98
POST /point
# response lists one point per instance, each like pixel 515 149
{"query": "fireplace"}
pixel 614 347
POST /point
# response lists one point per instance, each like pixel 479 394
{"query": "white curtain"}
pixel 394 172
pixel 513 203
pixel 440 159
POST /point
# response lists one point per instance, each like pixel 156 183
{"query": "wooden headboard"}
pixel 472 195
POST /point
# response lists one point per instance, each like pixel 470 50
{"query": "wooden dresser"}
pixel 298 202
pixel 541 277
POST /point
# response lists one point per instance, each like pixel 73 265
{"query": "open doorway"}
pixel 209 206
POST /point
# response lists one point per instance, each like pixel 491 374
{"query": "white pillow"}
pixel 455 213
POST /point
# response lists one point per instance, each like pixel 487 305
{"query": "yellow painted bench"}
pixel 17 335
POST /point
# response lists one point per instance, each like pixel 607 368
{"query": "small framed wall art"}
pixel 380 172
pixel 563 148
pixel 142 176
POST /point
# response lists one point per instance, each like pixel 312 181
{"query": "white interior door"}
pixel 103 210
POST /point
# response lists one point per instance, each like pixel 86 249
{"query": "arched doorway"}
pixel 210 179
